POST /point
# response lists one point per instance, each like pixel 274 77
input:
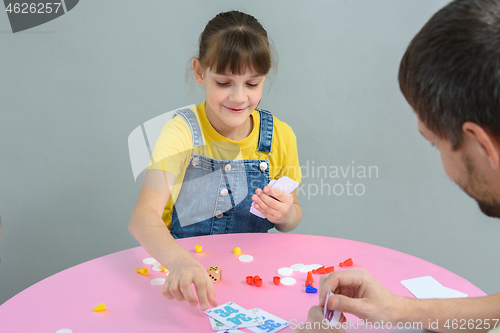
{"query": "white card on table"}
pixel 234 316
pixel 428 287
pixel 217 325
pixel 330 315
pixel 271 322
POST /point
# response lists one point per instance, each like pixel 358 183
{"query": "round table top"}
pixel 66 300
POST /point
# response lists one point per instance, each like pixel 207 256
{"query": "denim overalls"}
pixel 216 195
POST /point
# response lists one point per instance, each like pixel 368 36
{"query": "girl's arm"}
pixel 147 226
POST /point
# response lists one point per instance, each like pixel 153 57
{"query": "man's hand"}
pixel 359 293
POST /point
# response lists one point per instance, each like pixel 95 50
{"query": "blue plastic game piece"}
pixel 311 290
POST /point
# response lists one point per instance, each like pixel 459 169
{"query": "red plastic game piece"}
pixel 276 280
pixel 330 269
pixel 257 280
pixel 250 279
pixel 321 270
pixel 347 262
pixel 309 280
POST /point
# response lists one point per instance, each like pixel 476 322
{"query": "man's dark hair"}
pixel 450 72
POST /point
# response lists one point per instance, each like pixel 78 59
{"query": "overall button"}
pixel 219 215
pixel 263 166
pixel 227 168
pixel 196 161
pixel 223 192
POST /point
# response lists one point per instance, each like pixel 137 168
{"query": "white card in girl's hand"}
pixel 284 184
pixel 330 315
pixel 234 316
pixel 271 322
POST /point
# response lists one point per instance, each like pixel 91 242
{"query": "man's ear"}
pixel 198 71
pixel 486 141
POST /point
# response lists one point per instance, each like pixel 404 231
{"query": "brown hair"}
pixel 235 41
pixel 450 72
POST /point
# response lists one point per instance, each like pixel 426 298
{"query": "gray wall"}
pixel 73 89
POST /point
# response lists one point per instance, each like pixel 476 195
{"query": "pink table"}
pixel 66 299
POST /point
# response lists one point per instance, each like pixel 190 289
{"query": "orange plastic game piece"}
pixel 143 271
pixel 321 270
pixel 257 280
pixel 309 280
pixel 330 269
pixel 276 280
pixel 198 248
pixel 347 262
pixel 250 279
pixel 100 307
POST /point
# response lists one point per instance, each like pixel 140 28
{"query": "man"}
pixel 450 75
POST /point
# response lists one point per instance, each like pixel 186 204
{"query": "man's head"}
pixel 450 75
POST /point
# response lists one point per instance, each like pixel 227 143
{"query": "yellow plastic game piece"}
pixel 237 250
pixel 163 269
pixel 198 248
pixel 143 271
pixel 100 307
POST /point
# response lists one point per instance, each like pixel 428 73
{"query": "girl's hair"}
pixel 235 41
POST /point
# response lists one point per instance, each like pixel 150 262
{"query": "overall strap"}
pixel 266 131
pixel 194 127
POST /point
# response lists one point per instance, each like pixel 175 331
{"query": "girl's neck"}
pixel 236 134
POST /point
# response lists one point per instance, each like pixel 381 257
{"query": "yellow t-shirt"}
pixel 174 147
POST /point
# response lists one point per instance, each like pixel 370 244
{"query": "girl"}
pixel 215 159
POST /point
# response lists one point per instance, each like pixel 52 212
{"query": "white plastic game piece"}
pixel 158 281
pixel 285 271
pixel 306 269
pixel 157 269
pixel 149 261
pixel 64 330
pixel 288 281
pixel 245 258
pixel 156 264
pixel 297 267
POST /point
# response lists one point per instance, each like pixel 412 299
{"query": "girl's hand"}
pixel 280 209
pixel 183 272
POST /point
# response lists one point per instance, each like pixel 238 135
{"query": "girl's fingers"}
pixel 201 289
pixel 187 292
pixel 165 290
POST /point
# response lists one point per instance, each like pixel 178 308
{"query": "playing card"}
pixel 284 184
pixel 217 325
pixel 271 322
pixel 234 316
pixel 330 315
pixel 428 287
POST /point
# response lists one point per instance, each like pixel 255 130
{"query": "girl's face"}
pixel 230 100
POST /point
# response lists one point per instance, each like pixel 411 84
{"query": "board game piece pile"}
pixel 229 317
